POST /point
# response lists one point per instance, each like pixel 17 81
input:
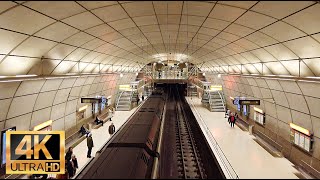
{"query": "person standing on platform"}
pixel 228 113
pixel 142 97
pixel 232 119
pixel 69 153
pixel 75 164
pixel 90 145
pixel 112 129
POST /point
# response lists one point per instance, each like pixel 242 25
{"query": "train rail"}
pixel 189 160
pixel 185 153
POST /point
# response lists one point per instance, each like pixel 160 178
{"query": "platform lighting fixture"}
pixel 43 125
pixel 83 108
pixel 300 129
pixel 258 110
pixel 121 75
pixel 203 74
pixel 219 75
pixel 136 74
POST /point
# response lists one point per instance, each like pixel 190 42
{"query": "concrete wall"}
pixel 283 101
pixel 28 103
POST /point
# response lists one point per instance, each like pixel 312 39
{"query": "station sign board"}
pixel 91 100
pixel 249 102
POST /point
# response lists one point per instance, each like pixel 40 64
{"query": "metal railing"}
pixel 225 162
pixel 119 99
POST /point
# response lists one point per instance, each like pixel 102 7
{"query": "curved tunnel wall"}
pixel 29 103
pixel 283 101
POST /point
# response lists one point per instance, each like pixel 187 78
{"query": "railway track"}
pixel 189 163
pixel 185 153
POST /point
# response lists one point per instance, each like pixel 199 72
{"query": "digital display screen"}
pixel 3 144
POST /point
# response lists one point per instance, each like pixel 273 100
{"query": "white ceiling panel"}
pixel 24 20
pixel 226 13
pixel 83 21
pixel 96 4
pixel 307 20
pixel 110 13
pixel 280 9
pixel 34 47
pixel 56 9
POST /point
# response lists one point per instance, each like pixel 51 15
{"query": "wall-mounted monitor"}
pixel 3 144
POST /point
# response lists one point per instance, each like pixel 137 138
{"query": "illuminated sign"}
pixel 216 87
pixel 300 129
pixel 35 152
pixel 249 102
pixel 91 100
pixel 125 87
pixel 258 110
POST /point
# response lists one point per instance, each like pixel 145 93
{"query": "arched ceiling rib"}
pixel 253 37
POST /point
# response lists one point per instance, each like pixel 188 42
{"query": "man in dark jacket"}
pixel 112 129
pixel 90 145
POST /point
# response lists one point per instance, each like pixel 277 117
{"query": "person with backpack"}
pixel 232 119
pixel 112 129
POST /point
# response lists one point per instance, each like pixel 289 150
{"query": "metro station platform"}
pixel 246 157
pixel 100 136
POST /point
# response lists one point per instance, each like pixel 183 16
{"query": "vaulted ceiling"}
pixel 250 37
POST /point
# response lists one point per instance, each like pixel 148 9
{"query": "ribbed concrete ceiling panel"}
pixel 281 37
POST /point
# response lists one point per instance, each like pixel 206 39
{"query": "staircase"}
pixel 215 100
pixel 124 101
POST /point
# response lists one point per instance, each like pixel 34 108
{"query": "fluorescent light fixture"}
pixel 137 74
pixel 258 110
pixel 204 74
pixel 232 98
pixel 121 75
pixel 300 129
pixel 83 108
pixel 219 75
pixel 43 125
pixel 109 97
pixel 28 75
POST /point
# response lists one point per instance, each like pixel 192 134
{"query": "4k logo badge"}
pixel 35 152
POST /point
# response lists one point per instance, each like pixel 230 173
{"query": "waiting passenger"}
pixel 84 131
pixel 112 129
pixel 142 97
pixel 69 154
pixel 232 119
pixel 98 121
pixel 89 145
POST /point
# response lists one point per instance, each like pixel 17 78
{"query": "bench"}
pixel 243 125
pixel 308 171
pixel 76 138
pixel 103 117
pixel 267 143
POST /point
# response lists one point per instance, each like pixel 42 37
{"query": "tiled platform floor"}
pixel 246 156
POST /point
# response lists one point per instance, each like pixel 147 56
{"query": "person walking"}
pixel 75 164
pixel 112 129
pixel 90 145
pixel 69 154
pixel 70 168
